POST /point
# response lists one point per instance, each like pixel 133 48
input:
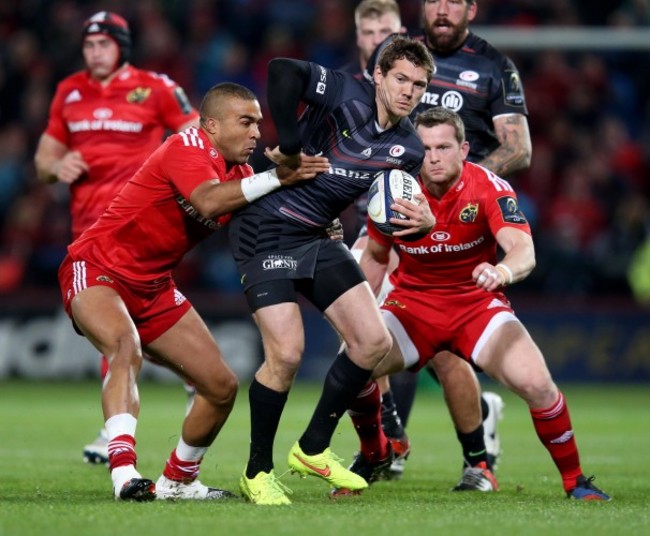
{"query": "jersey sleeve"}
pixel 508 97
pixel 502 207
pixel 187 164
pixel 174 107
pixel 324 87
pixel 379 237
pixel 56 126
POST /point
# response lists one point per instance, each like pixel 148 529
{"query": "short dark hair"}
pixel 212 99
pixel 438 115
pixel 402 47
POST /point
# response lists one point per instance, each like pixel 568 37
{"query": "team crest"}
pixel 510 211
pixel 394 303
pixel 469 213
pixel 104 279
pixel 138 95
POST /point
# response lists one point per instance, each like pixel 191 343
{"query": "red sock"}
pixel 181 470
pixel 103 368
pixel 365 412
pixel 121 451
pixel 553 427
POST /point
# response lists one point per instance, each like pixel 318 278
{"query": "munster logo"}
pixel 394 303
pixel 138 95
pixel 469 213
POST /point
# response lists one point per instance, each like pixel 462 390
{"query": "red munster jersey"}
pixel 150 225
pixel 468 217
pixel 115 128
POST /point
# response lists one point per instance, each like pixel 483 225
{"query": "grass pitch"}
pixel 46 489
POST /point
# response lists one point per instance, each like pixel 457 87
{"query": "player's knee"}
pixel 284 360
pixel 373 347
pixel 538 392
pixel 222 391
pixel 125 354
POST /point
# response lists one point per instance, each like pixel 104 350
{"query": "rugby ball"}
pixel 386 186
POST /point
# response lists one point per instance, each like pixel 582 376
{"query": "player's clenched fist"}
pixel 71 167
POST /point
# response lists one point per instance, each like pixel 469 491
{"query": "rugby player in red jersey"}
pixel 117 286
pixel 448 294
pixel 104 123
pixel 483 85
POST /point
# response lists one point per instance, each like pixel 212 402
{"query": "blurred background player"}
pixel 104 122
pixel 374 21
pixel 453 297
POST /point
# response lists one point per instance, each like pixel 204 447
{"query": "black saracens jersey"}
pixel 479 83
pixel 340 124
pixel 476 81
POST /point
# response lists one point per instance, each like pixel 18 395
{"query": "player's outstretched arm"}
pixel 287 81
pixel 214 198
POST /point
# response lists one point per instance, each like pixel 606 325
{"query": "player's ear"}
pixel 211 125
pixel 464 148
pixel 472 9
pixel 376 75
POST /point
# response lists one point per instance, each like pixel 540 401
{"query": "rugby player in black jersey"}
pixel 280 248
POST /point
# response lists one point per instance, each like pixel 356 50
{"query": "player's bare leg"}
pixel 189 349
pixel 511 357
pixel 103 318
pixel 282 334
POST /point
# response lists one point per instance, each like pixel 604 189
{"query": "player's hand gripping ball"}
pixel 388 185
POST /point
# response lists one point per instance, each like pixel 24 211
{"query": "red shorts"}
pixel 425 323
pixel 154 308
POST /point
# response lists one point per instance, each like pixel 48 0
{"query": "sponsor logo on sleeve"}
pixel 183 101
pixel 513 90
pixel 510 211
pixel 322 82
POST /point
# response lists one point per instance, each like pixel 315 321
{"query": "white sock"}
pixel 188 453
pixel 121 424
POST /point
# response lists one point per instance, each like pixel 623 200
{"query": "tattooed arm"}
pixel 515 149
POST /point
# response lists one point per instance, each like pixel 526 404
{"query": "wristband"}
pixel 260 184
pixel 505 270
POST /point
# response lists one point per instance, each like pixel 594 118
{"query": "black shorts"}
pixel 277 259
